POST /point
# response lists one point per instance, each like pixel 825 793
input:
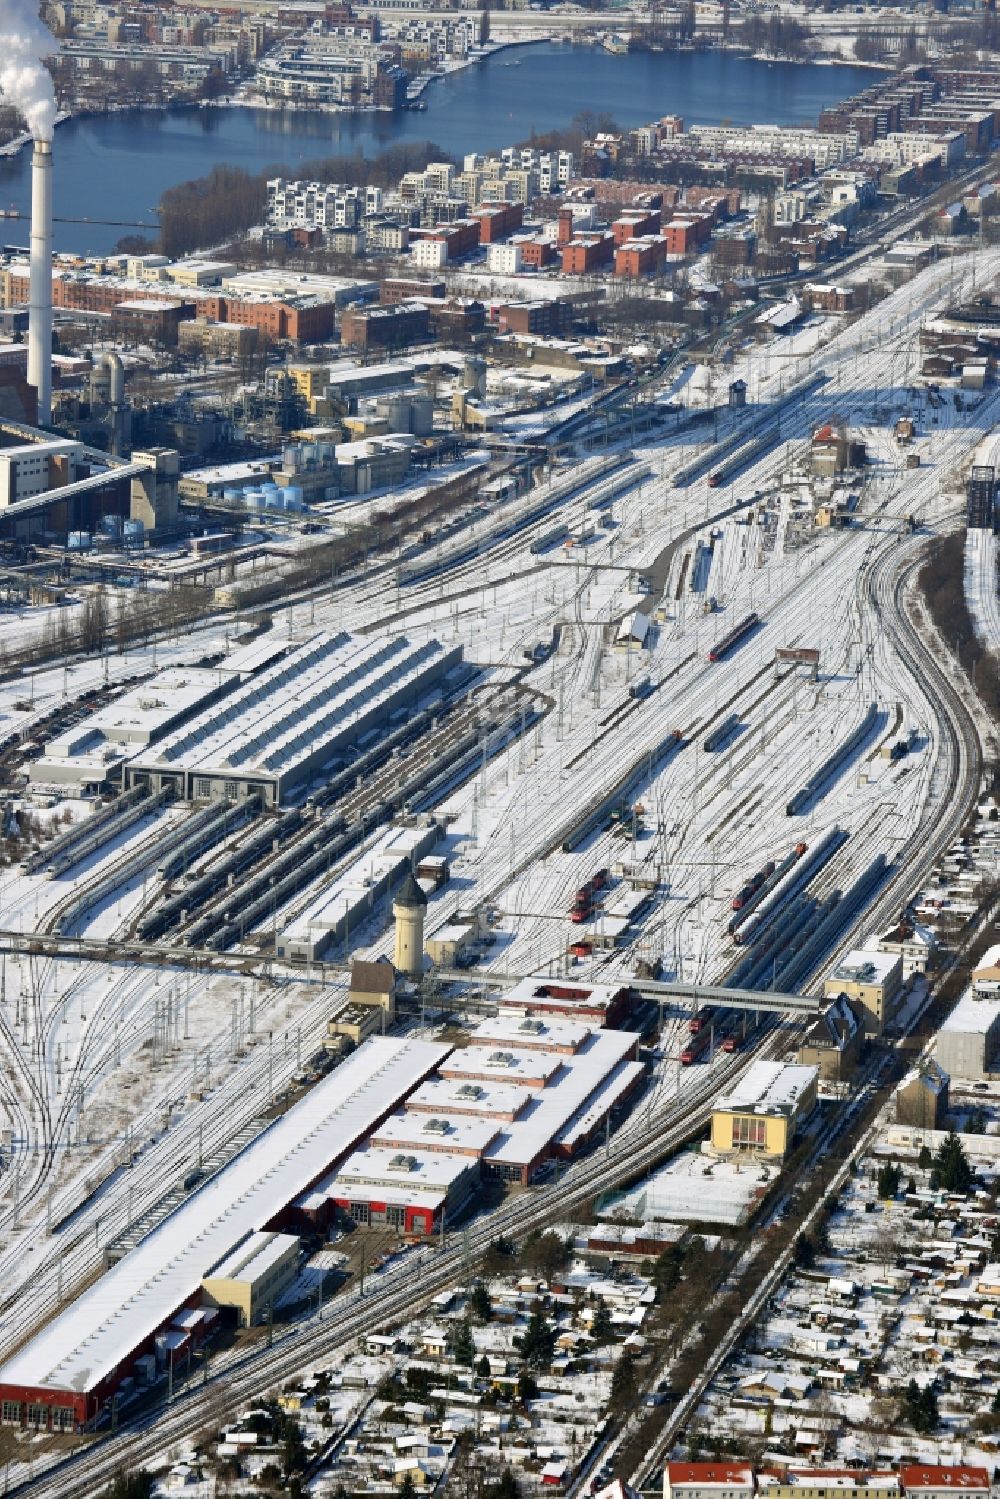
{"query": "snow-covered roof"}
pixel 532 1032
pixel 709 1476
pixel 918 1477
pixel 599 1065
pixel 87 1342
pixel 313 696
pixel 768 1088
pixel 538 990
pixel 491 1100
pixel 145 711
pixel 975 1014
pixel 436 1132
pixel 375 1166
pixel 253 1258
pixel 864 965
pixel 504 1064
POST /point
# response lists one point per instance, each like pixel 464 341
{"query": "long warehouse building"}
pixel 68 1372
pixel 297 718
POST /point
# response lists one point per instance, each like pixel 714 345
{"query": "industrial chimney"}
pixel 40 291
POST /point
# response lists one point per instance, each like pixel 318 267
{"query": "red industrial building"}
pixel 537 253
pixel 686 233
pixel 384 327
pixel 137 1318
pixel 460 238
pixel 544 317
pixel 396 289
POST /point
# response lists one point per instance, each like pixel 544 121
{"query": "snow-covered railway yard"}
pixel 172 1051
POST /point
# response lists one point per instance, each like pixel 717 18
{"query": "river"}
pixel 115 167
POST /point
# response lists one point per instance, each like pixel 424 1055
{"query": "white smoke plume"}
pixel 24 80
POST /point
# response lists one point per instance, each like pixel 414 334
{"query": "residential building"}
pixel 872 978
pixel 969 1038
pixel 927 1481
pixel 922 1096
pixel 834 1040
pixel 708 1481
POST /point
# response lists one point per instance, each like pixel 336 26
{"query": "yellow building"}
pixel 762 1114
pixel 355 1022
pixel 253 1276
pixel 310 380
pixel 871 977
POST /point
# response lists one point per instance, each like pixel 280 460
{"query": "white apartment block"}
pixel 905 147
pixel 319 69
pixel 504 259
pixel 554 168
pixel 429 254
pixel 319 205
pixel 443 38
pixel 779 140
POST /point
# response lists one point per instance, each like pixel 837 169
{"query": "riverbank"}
pixel 24 139
pixel 124 161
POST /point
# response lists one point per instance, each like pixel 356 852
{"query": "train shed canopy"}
pixel 300 715
pixel 80 1350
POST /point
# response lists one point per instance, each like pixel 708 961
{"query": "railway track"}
pixel 636 1148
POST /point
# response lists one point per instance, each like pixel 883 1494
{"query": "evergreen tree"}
pixel 463 1349
pixel 951 1165
pixel 889 1177
pixel 804 1252
pixel 921 1407
pixel 537 1343
pixel 504 1488
pixel 601 1328
pixel 479 1303
pixel 667 1269
pixel 623 1379
pixel 134 1483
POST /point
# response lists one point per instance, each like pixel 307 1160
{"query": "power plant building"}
pixel 294 720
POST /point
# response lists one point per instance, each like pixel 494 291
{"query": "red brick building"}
pixel 686 233
pixel 396 289
pixel 640 257
pixel 461 237
pixel 497 222
pixel 636 225
pixel 384 327
pixel 542 317
pixel 536 253
pixel 588 252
